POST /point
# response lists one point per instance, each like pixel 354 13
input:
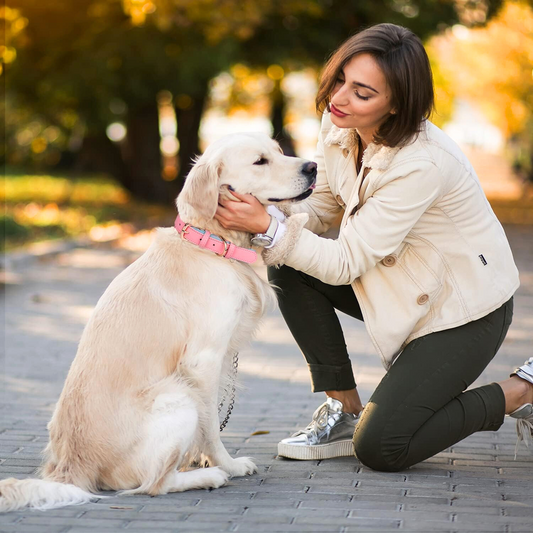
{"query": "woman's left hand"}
pixel 247 215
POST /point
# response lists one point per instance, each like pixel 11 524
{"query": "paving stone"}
pixel 451 527
pixel 14 470
pixel 8 518
pixel 288 528
pixel 520 511
pixel 360 522
pixel 81 529
pixel 172 526
pixel 445 513
pixel 133 515
pixel 97 524
pixel 43 528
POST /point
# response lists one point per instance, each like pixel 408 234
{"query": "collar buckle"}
pixel 184 231
pixel 226 247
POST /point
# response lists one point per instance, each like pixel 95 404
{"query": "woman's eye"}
pixel 340 80
pixel 361 97
pixel 261 161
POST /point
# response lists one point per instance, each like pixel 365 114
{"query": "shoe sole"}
pixel 342 448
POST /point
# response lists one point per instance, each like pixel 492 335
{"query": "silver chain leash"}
pixel 232 393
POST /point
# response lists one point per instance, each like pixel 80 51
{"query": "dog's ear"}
pixel 198 199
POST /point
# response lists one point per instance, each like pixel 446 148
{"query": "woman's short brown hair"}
pixel 403 60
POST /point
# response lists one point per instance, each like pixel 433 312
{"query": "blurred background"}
pixel 107 101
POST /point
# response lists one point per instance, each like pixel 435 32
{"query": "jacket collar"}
pixel 376 156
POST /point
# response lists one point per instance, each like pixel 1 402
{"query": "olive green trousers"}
pixel 421 406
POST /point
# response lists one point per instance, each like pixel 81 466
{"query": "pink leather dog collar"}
pixel 208 241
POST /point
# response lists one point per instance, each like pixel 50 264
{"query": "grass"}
pixel 45 207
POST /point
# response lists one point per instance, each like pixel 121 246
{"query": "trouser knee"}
pixel 369 449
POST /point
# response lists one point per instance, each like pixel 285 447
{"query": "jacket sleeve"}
pixel 373 232
pixel 321 207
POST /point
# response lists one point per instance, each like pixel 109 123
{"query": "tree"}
pixel 109 55
pixel 295 34
pixel 95 58
pixel 493 68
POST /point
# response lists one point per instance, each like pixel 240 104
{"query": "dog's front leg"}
pixel 215 452
pixel 211 446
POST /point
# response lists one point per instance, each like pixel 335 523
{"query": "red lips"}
pixel 336 112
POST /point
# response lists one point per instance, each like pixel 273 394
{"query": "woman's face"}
pixel 361 98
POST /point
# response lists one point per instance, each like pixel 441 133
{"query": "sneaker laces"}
pixel 524 430
pixel 524 414
pixel 318 422
pixel 320 417
pixel 524 425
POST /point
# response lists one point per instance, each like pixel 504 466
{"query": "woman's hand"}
pixel 247 215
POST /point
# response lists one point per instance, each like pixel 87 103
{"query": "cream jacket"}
pixel 418 241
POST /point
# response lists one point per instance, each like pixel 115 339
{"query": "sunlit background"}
pixel 107 101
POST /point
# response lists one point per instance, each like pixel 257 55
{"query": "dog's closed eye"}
pixel 261 161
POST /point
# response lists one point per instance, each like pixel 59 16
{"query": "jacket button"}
pixel 389 261
pixel 422 299
pixel 339 199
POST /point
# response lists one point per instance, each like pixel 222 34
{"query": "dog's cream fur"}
pixel 139 403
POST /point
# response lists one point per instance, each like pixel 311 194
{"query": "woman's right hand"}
pixel 248 214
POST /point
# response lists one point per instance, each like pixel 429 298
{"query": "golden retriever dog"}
pixel 139 404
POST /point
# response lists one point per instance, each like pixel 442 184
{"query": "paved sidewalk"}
pixel 473 486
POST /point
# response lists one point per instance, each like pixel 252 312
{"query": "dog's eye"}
pixel 261 161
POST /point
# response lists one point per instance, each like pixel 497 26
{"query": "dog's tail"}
pixel 40 494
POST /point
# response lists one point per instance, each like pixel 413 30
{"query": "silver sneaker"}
pixel 524 414
pixel 328 435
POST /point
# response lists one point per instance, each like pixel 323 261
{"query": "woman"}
pixel 420 257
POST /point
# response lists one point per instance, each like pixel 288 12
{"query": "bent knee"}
pixel 369 449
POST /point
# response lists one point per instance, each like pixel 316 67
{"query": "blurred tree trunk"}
pixel 188 119
pixel 277 118
pixel 98 154
pixel 142 156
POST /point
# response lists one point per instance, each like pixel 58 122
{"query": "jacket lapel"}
pixel 376 157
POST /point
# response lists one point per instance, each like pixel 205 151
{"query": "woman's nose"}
pixel 339 97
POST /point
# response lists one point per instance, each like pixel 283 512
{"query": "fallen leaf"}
pixel 119 507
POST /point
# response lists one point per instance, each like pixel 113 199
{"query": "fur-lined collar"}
pixel 376 156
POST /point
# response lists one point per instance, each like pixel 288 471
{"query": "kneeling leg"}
pixel 420 409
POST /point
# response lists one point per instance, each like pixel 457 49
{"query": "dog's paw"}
pixel 217 477
pixel 242 466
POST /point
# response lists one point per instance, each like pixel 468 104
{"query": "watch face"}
pixel 261 240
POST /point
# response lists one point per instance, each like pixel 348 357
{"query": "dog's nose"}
pixel 309 168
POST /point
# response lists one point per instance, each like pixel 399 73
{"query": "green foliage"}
pixel 75 59
pixel 95 191
pixel 43 207
pixel 308 37
pixel 94 54
pixel 11 231
pixel 80 66
pixel 76 67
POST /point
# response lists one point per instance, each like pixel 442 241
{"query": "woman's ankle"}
pixel 517 392
pixel 351 403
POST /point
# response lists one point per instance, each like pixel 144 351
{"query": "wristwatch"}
pixel 265 239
